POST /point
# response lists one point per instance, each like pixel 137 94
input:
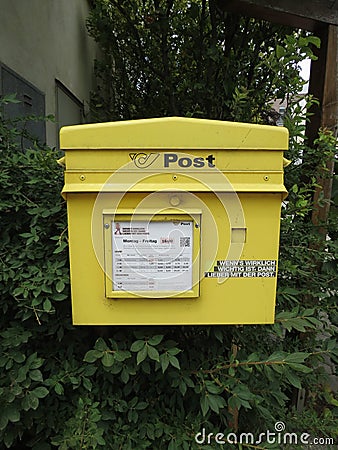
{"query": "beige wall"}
pixel 44 40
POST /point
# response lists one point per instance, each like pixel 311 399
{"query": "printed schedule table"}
pixel 152 256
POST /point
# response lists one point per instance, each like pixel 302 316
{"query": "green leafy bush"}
pixel 165 58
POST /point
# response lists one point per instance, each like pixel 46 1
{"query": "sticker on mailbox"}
pixel 152 256
pixel 250 268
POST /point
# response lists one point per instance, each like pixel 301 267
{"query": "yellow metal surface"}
pixel 174 132
pixel 226 177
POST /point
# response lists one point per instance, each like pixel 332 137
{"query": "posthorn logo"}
pixel 143 160
pixel 173 160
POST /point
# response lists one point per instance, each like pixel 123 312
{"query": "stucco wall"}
pixel 44 40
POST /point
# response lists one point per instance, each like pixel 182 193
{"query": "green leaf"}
pixel 87 383
pixel 150 432
pixel 25 403
pixel 297 357
pixel 60 285
pixel 92 355
pixel 153 353
pixel 107 359
pixel 146 368
pixel 278 329
pixel 59 297
pixel 264 412
pixel 100 441
pixel 47 306
pixel 276 356
pixel 101 345
pixel 213 388
pixel 174 361
pixel 137 346
pixel 116 368
pixel 280 51
pixel 125 376
pixel 18 357
pixel 60 248
pixel 58 388
pixel 25 235
pixel 182 387
pixel 12 414
pixel 218 335
pixel 279 368
pixel 253 357
pixel 133 402
pixel 132 415
pixel 314 321
pixel 232 372
pixel 8 438
pixel 122 355
pixel 300 367
pixel 314 40
pixel 204 404
pixel 331 345
pixel 173 351
pixel 155 340
pixel 308 312
pixel 188 381
pixel 141 406
pixel 293 379
pixel 15 391
pixel 34 362
pixel 3 421
pixel 141 355
pixel 164 361
pixel 216 402
pixel 22 374
pixel 40 392
pixel 10 98
pixel 172 445
pixel 298 324
pixel 33 400
pixel 244 403
pixel 35 375
pixel 234 402
pixel 244 393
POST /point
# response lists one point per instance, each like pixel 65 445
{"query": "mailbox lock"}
pixel 82 177
pixel 175 177
pixel 175 200
pixel 266 178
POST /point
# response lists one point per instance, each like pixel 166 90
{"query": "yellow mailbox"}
pixel 173 221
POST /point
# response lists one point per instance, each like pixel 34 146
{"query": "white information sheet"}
pixel 152 256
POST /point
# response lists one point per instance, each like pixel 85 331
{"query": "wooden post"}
pixel 324 85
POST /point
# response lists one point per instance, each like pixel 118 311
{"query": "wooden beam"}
pixel 299 14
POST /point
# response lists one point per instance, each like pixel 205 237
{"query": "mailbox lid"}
pixel 174 133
